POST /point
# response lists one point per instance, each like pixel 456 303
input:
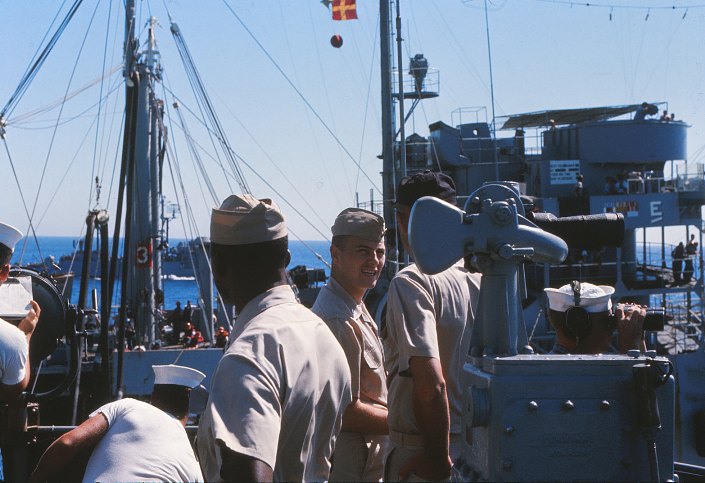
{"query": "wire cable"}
pixel 300 94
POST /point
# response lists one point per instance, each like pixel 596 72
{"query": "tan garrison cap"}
pixel 9 235
pixel 360 223
pixel 243 219
pixel 593 298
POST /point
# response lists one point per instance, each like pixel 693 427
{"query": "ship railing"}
pixel 689 183
pixel 683 331
pixel 376 206
pixel 424 87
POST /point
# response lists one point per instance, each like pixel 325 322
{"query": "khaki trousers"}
pixel 358 457
pixel 399 455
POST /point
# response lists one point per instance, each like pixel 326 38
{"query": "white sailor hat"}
pixel 243 219
pixel 177 375
pixel 9 235
pixel 593 298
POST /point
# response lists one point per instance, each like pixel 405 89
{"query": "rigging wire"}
pixel 24 203
pixel 37 63
pixel 276 166
pixel 98 117
pixel 367 103
pixel 321 158
pixel 264 180
pixel 300 94
pixel 489 60
pixel 195 155
pixel 54 133
pixel 111 128
pixel 325 90
pixel 205 102
pixel 25 117
pixel 462 50
pixel 572 3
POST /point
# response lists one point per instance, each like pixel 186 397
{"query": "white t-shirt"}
pixel 143 443
pixel 279 392
pixel 14 352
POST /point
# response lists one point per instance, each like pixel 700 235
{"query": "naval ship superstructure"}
pixel 529 415
pixel 629 162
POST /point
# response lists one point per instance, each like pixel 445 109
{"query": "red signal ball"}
pixel 336 41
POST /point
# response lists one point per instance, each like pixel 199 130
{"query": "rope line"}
pixel 300 94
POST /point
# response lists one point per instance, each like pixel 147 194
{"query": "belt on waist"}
pixel 415 440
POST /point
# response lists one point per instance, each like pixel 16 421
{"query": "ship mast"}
pixel 143 280
pixel 388 126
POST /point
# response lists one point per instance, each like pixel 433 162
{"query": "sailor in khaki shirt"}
pixel 358 254
pixel 426 339
pixel 280 391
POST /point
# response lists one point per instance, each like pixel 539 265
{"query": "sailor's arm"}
pixel 360 417
pixel 244 468
pixel 64 450
pixel 10 393
pixel 27 325
pixel 430 403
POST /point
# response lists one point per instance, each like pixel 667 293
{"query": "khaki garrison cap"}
pixel 177 375
pixel 9 235
pixel 243 219
pixel 593 298
pixel 360 223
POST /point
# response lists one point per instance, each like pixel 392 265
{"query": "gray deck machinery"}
pixel 529 417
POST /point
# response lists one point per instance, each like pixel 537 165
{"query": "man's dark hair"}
pixel 172 399
pixel 263 259
pixel 5 255
pixel 425 183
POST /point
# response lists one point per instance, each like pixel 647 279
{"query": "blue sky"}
pixel 545 55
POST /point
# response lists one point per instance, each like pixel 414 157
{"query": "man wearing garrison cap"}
pixel 581 314
pixel 134 440
pixel 357 255
pixel 279 392
pixel 426 339
pixel 14 339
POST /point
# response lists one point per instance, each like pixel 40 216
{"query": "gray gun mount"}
pixel 533 417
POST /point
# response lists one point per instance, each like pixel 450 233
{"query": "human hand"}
pixel 29 323
pixel 426 467
pixel 630 325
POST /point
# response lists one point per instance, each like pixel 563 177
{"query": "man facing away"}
pixel 14 340
pixel 426 340
pixel 357 254
pixel 280 390
pixel 134 440
pixel 583 318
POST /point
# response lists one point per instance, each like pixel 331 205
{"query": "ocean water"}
pixel 302 253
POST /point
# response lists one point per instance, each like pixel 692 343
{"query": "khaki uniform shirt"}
pixel 279 392
pixel 356 331
pixel 428 316
pixel 358 457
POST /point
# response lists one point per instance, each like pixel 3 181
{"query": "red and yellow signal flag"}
pixel 344 10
